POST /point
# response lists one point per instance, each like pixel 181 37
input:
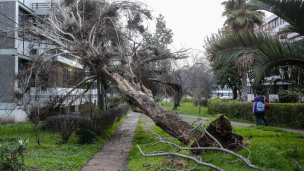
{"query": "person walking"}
pixel 262 114
pixel 255 110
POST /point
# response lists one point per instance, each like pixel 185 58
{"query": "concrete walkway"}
pixel 242 124
pixel 113 156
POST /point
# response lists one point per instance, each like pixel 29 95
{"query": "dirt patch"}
pixel 220 129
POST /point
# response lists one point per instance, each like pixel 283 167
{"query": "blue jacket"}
pixel 256 99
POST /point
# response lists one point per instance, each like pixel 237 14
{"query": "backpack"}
pixel 260 107
pixel 267 106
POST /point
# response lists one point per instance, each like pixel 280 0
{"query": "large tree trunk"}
pixel 141 100
pixel 244 97
pixel 234 90
pixel 100 95
pixel 177 96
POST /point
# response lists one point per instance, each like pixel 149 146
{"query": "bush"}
pixel 216 97
pixel 203 102
pixel 287 114
pixel 65 125
pixel 157 99
pixel 86 136
pixel 114 101
pixel 103 120
pixel 187 100
pixel 10 157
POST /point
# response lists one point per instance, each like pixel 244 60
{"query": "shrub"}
pixel 114 101
pixel 157 99
pixel 86 136
pixel 287 114
pixel 65 125
pixel 10 157
pixel 203 102
pixel 61 127
pixel 103 120
pixel 284 97
pixel 187 100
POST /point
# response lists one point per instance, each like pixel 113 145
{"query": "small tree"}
pixel 227 75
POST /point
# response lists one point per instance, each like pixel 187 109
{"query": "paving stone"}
pixel 113 156
pixel 110 155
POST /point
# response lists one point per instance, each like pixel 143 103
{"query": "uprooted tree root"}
pixel 218 139
pixel 220 129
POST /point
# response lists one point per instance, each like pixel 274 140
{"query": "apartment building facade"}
pixel 15 51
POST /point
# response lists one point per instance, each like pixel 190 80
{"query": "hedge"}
pixel 203 102
pixel 65 125
pixel 284 114
pixel 187 100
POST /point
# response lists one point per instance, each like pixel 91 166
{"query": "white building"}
pixel 225 93
pixel 15 51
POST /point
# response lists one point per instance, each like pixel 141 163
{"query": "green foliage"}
pixel 239 17
pixel 162 36
pixel 227 75
pixel 203 102
pixel 114 101
pixel 10 156
pixel 51 155
pixel 187 100
pixel 101 121
pixel 157 99
pixel 188 109
pixel 284 97
pixel 282 114
pixel 289 10
pixel 86 136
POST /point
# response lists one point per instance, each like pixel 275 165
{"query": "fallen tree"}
pixel 104 33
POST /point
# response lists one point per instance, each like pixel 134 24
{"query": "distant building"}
pixel 225 93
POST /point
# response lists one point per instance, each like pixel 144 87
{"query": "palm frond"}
pixel 232 47
pixel 292 11
pixel 273 54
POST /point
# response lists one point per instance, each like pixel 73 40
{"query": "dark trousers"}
pixel 258 118
pixel 262 115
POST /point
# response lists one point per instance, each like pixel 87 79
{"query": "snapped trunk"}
pixel 141 100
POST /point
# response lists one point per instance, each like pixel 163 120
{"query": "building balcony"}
pixel 44 5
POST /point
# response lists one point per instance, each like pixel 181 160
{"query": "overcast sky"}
pixel 190 20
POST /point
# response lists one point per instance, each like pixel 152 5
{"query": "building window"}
pixel 34 52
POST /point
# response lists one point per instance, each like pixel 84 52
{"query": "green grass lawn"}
pixel 51 155
pixel 270 148
pixel 186 108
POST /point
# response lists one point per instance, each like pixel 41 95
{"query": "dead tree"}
pixel 103 34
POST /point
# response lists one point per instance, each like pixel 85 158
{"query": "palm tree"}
pixel 242 19
pixel 291 11
pixel 277 53
pixel 267 52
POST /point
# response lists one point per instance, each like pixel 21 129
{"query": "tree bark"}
pixel 177 96
pixel 244 97
pixel 100 95
pixel 234 90
pixel 141 100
